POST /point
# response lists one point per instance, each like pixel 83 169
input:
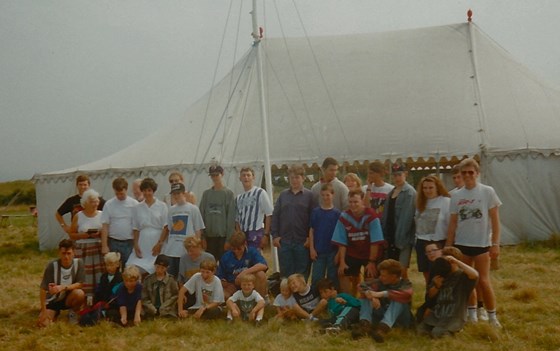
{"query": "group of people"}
pixel 352 243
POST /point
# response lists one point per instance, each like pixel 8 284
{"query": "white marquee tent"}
pixel 428 93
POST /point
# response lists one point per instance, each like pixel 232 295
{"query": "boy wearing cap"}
pixel 184 220
pixel 217 208
pixel 160 291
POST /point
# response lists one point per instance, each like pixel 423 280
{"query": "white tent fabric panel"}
pixel 528 186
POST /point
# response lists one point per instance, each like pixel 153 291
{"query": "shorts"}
pixel 421 258
pixel 354 266
pixel 472 251
pixel 58 305
pixel 254 238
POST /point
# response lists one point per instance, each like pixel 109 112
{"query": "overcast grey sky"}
pixel 81 79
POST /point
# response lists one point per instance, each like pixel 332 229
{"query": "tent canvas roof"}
pixel 431 92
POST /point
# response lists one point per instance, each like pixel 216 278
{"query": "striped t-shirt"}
pixel 251 207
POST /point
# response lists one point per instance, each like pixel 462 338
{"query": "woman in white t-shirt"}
pixel 432 219
pixel 474 228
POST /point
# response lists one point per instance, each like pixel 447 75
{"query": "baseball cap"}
pixel 398 167
pixel 177 187
pixel 162 260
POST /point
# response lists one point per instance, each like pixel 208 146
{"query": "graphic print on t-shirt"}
pixel 180 224
pixel 468 210
pixel 427 221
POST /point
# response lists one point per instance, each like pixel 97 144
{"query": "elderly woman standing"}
pixel 432 219
pixel 85 231
pixel 73 204
pixel 148 220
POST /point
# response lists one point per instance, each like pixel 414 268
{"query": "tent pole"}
pixel 267 167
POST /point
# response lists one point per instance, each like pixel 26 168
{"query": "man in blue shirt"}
pixel 290 224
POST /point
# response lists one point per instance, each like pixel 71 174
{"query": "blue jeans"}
pixel 294 258
pixel 324 265
pixel 124 247
pixel 389 314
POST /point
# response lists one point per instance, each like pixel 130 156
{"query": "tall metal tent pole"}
pixel 267 167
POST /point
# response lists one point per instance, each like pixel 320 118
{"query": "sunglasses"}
pixel 468 172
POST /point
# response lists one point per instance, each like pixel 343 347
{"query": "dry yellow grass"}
pixel 525 285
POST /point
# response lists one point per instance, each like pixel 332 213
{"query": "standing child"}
pixel 184 220
pixel 253 210
pixel 284 302
pixel 322 251
pixel 129 296
pixel 207 290
pixel 343 308
pixel 307 298
pixel 246 304
pixel 159 292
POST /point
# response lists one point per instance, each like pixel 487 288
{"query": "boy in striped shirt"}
pixel 253 210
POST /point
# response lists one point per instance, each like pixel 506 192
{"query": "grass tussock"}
pixel 525 287
pixel 526 295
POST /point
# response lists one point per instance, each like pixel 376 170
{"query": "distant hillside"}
pixel 24 189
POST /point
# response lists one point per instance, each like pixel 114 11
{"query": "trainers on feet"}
pixel 379 332
pixel 472 319
pixel 495 323
pixel 481 314
pixel 72 317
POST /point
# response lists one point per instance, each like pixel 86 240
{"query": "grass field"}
pixel 526 289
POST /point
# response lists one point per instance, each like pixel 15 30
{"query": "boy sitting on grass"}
pixel 159 292
pixel 343 308
pixel 454 282
pixel 246 304
pixel 208 292
pixel 385 302
pixel 308 300
pixel 129 297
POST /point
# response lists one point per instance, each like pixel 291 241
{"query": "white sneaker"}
pixel 481 314
pixel 472 319
pixel 495 323
pixel 72 317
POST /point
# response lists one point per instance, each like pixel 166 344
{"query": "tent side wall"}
pixel 528 188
